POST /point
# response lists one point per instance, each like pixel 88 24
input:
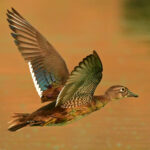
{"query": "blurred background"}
pixel 119 30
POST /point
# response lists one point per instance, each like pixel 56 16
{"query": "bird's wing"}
pixel 45 64
pixel 82 82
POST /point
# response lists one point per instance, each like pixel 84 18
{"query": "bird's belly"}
pixel 63 121
pixel 71 116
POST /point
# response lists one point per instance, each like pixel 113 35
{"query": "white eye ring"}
pixel 122 89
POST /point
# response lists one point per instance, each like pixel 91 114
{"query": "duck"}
pixel 70 96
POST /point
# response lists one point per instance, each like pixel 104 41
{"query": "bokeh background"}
pixel 119 30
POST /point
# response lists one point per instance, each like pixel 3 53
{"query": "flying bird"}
pixel 70 96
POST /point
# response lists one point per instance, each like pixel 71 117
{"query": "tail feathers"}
pixel 15 127
pixel 19 121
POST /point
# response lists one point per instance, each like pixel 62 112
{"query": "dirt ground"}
pixel 75 28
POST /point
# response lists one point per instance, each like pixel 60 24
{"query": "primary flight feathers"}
pixel 46 65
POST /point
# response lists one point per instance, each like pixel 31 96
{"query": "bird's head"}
pixel 117 92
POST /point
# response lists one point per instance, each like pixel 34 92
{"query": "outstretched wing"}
pixel 82 82
pixel 45 64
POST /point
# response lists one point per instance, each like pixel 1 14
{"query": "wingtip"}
pixel 17 42
pixel 12 28
pixel 13 9
pixel 14 35
pixel 95 53
pixel 7 11
pixel 16 12
pixel 9 21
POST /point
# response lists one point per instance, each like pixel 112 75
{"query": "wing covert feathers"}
pixel 82 82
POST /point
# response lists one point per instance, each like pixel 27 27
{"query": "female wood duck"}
pixel 71 96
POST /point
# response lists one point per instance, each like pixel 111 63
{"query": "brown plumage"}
pixel 48 66
pixel 51 93
pixel 71 96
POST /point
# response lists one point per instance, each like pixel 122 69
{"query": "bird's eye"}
pixel 122 89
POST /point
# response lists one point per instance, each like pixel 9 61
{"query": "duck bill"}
pixel 131 94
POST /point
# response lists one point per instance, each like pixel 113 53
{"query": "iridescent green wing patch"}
pixel 82 82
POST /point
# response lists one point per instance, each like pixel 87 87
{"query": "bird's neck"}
pixel 101 101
